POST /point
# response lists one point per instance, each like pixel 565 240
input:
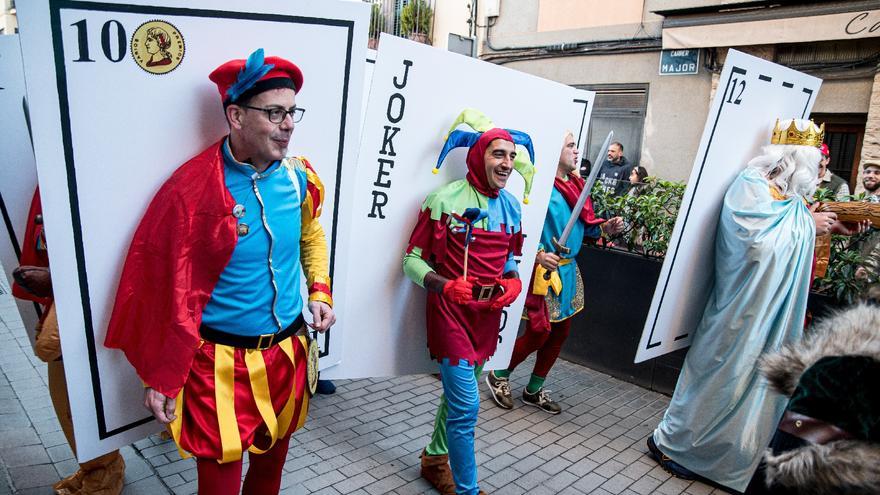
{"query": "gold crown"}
pixel 811 136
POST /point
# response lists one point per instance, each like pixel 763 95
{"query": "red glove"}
pixel 459 291
pixel 512 287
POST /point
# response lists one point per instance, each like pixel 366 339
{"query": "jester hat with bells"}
pixel 478 141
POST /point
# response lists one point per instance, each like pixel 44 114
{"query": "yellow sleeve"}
pixel 313 242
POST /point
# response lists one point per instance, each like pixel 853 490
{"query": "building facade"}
pixel 619 49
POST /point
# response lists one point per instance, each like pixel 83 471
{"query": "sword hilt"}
pixel 559 249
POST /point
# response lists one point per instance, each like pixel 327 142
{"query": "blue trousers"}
pixel 456 419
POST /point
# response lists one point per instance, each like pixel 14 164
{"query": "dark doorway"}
pixel 843 135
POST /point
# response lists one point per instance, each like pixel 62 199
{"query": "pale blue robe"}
pixel 722 414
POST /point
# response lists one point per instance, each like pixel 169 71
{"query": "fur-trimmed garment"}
pixel 832 375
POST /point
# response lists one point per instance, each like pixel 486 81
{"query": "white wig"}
pixel 793 169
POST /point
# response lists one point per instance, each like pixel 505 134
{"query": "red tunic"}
pixel 469 331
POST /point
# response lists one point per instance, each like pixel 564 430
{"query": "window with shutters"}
pixel 621 108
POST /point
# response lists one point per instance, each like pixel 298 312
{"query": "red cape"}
pixel 178 252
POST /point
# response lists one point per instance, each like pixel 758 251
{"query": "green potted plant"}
pixel 648 216
pixel 852 264
pixel 415 20
pixel 377 25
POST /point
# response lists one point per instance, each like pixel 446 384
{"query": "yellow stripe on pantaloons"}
pixel 287 412
pixel 256 367
pixel 224 395
pixel 304 410
pixel 177 424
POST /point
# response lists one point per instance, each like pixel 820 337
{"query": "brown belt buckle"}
pixel 260 346
pixel 485 292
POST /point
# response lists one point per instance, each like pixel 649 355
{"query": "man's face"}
pixel 614 153
pixel 498 158
pixel 568 157
pixel 871 179
pixel 265 142
pixel 823 165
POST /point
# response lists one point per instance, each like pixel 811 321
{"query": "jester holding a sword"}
pixel 462 251
pixel 556 292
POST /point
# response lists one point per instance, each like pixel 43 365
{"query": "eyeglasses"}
pixel 276 114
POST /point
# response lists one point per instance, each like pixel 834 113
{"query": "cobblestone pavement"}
pixel 366 438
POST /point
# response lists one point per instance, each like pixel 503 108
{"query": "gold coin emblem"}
pixel 157 47
pixel 312 366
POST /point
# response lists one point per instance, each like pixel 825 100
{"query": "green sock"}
pixel 502 373
pixel 535 384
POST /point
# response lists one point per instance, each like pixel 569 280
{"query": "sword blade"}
pixel 588 186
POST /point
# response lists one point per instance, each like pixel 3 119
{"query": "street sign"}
pixel 679 62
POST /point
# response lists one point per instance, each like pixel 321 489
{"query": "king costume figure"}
pixel 553 300
pixel 208 309
pixel 462 251
pixel 722 414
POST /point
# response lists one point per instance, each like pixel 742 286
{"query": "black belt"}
pixel 261 342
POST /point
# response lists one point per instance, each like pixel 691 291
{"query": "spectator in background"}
pixel 870 246
pixel 637 180
pixel 828 180
pixel 614 175
pixel 871 181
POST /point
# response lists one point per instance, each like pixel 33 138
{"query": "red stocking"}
pixel 549 350
pixel 218 479
pixel 529 342
pixel 264 474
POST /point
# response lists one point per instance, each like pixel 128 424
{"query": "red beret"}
pixel 227 74
pixel 824 150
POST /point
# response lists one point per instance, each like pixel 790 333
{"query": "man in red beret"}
pixel 208 309
pixel 827 180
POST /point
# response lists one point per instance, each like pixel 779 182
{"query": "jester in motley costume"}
pixel 105 474
pixel 462 251
pixel 722 414
pixel 208 310
pixel 552 301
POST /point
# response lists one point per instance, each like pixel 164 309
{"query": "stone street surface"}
pixel 366 438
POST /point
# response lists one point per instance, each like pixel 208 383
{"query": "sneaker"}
pixel 500 388
pixel 542 400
